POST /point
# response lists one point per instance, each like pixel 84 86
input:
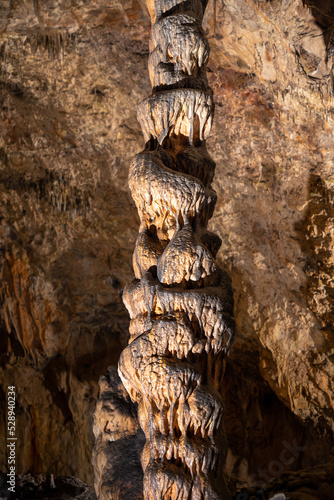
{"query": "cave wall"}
pixel 72 75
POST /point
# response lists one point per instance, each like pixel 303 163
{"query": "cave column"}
pixel 180 303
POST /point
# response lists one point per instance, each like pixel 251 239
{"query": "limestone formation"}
pixel 181 303
pixel 72 75
pixel 118 442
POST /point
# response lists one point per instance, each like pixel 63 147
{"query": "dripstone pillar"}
pixel 181 302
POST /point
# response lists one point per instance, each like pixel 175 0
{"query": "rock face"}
pixel 72 74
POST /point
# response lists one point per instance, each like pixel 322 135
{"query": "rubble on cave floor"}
pixel 313 483
pixel 41 487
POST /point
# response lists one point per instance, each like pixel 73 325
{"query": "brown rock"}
pixel 68 135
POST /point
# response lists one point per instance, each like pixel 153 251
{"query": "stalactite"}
pixel 181 303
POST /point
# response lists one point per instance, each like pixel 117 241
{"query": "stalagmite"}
pixel 181 303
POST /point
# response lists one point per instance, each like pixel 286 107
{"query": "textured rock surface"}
pixel 181 302
pixel 119 442
pixel 72 74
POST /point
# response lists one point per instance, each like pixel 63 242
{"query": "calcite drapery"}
pixel 181 303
